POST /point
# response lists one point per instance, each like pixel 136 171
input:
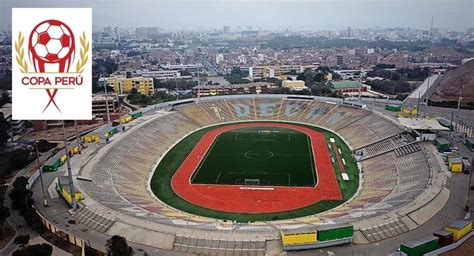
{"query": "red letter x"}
pixel 51 98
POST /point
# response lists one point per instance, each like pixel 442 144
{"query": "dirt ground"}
pixel 56 133
pixel 467 248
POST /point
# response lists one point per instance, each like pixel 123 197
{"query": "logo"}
pixel 52 77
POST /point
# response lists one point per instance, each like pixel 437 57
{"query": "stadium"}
pixel 258 175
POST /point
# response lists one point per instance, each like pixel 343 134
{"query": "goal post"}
pixel 251 181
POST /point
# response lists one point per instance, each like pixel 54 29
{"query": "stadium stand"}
pixel 396 142
pixel 396 173
pixel 199 245
pixel 96 221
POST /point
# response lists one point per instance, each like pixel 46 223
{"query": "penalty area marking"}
pixel 256 188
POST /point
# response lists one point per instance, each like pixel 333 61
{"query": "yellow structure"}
pixel 125 119
pixel 459 228
pixel 328 77
pixel 67 196
pixel 63 159
pixel 75 150
pixel 91 138
pixel 298 237
pixel 123 85
pixel 63 188
pixel 297 85
pixel 410 111
pixel 455 164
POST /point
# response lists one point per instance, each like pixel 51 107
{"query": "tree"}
pixel 20 158
pixel 22 240
pixel 236 76
pixel 184 72
pixel 35 250
pixel 320 90
pixel 133 92
pixel 44 145
pixel 117 246
pixel 395 76
pixel 23 202
pixel 4 128
pixel 104 66
pixel 20 195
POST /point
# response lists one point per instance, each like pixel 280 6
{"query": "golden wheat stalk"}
pixel 83 54
pixel 20 53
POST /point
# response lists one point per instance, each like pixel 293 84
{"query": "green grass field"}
pixel 258 156
pixel 161 182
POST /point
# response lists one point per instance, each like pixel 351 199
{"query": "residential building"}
pixel 99 106
pixel 17 127
pixel 342 87
pixel 213 90
pixel 219 58
pixel 123 85
pixel 275 70
pixel 297 85
pixel 164 74
pixel 147 32
pixel 226 29
pixel 339 60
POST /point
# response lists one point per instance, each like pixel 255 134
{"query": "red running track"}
pixel 256 199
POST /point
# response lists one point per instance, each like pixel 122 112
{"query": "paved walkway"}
pixel 18 223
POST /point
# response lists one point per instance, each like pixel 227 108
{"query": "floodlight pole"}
pixel 360 86
pixel 467 206
pixel 425 100
pixel 176 84
pixel 78 138
pixel 107 102
pixel 451 127
pixel 199 87
pixel 418 105
pixel 460 94
pixel 45 201
pixel 69 172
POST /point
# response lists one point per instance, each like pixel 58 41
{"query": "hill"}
pixel 448 85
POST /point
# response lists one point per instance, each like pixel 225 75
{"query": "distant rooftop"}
pixel 422 124
pixel 231 86
pixel 459 224
pixel 344 84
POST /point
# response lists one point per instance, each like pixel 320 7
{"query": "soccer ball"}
pixel 51 41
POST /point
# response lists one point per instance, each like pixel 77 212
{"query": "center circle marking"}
pixel 259 154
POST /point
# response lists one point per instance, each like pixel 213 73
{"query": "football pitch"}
pixel 265 156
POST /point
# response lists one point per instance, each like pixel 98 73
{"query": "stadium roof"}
pixel 422 124
pixel 230 86
pixel 344 84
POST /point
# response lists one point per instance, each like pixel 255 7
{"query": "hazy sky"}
pixel 268 14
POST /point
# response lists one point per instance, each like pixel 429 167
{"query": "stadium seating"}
pixel 395 174
pixel 359 127
pixel 200 245
pixel 92 219
pixel 368 129
pixel 401 143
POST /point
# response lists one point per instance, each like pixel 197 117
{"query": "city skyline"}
pixel 268 15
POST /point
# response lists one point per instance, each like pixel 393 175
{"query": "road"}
pixel 17 222
pixel 211 68
pixel 419 92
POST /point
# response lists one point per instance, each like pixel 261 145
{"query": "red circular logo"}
pixel 51 41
